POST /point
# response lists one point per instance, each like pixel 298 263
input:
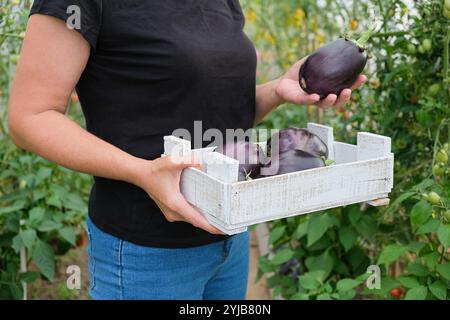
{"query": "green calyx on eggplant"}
pixel 335 66
pixel 249 156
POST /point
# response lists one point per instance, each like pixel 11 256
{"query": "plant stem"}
pixel 446 70
pixel 365 36
pixel 390 34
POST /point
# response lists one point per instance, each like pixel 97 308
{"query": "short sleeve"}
pixel 84 16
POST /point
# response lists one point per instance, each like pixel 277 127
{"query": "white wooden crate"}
pixel 360 173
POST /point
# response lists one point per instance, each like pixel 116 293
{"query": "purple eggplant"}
pixel 334 67
pixel 292 161
pixel 298 139
pixel 248 155
pixel 294 150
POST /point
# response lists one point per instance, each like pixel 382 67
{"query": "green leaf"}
pixel 300 296
pixel 402 198
pixel 317 226
pixel 417 269
pixel 301 230
pixel 282 256
pixel 36 215
pixel 324 262
pixel 418 293
pixel 311 280
pixel 17 243
pixel 347 284
pixel 354 215
pixel 16 291
pixel 346 295
pixel 443 234
pixel 55 201
pixel 265 265
pixel 408 282
pixel 276 234
pixel 391 253
pixel 430 226
pixel 420 214
pixel 68 233
pixel 44 258
pixel 444 270
pixel 28 238
pixel 29 277
pixel 16 206
pixel 431 260
pixel 324 296
pixel 42 174
pixel 309 283
pixel 438 289
pixel 367 226
pixel 347 236
pixel 415 247
pixel 48 225
pixel 341 268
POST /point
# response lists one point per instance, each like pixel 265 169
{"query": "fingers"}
pixel 344 97
pixel 194 217
pixel 181 211
pixel 359 82
pixel 329 101
pixel 188 161
pixel 309 99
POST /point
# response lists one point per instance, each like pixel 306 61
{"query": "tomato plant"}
pixel 406 98
pixel 42 205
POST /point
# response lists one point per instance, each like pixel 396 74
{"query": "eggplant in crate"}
pixel 359 173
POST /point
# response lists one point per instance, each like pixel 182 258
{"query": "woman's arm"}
pixel 287 89
pixel 51 62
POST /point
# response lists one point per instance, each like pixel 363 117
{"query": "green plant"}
pixel 407 98
pixel 42 205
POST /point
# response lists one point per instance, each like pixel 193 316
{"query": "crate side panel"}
pixel 313 209
pixel 204 192
pixel 299 192
pixel 345 153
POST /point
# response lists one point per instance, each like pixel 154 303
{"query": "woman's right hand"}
pixel 160 178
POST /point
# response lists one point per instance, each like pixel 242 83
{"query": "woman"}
pixel 143 69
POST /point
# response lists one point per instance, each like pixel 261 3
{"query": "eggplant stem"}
pixel 365 36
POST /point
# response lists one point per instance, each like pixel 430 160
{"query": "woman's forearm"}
pixel 267 99
pixel 57 138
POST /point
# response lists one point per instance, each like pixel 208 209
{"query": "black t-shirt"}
pixel 156 66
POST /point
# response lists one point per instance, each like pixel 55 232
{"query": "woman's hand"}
pixel 288 90
pixel 160 178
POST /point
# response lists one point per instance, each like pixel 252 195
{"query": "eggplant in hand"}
pixel 334 67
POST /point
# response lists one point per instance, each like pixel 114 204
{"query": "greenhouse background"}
pixel 319 256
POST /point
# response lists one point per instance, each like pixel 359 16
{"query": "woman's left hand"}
pixel 288 90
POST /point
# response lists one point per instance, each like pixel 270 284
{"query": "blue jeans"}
pixel 122 270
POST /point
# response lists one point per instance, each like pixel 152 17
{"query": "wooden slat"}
pixel 372 146
pixel 325 133
pixel 311 190
pixel 345 153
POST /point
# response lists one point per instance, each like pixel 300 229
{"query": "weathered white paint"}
pixel 362 173
pixel 326 134
pixel 371 146
pixel 344 152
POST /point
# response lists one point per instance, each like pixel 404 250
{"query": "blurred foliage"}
pixel 326 255
pixel 42 205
